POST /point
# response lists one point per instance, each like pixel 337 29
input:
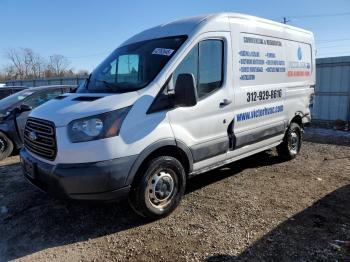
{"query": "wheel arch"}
pixel 298 118
pixel 169 147
pixel 7 134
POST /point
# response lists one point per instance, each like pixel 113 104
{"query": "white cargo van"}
pixel 176 100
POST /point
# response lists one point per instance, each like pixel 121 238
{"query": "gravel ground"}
pixel 252 210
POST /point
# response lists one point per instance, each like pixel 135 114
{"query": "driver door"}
pixel 203 127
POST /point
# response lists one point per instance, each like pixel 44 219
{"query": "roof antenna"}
pixel 285 20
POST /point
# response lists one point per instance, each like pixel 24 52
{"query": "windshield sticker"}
pixel 162 51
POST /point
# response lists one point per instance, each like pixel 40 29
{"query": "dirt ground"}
pixel 255 209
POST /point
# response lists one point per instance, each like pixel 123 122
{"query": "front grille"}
pixel 40 138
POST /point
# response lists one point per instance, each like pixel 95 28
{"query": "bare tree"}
pixel 58 64
pixel 24 63
pixel 34 63
pixel 17 66
pixel 3 76
pixel 9 72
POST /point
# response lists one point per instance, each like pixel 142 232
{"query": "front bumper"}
pixel 104 180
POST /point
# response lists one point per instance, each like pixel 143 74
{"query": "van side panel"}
pixel 301 71
pixel 259 66
pixel 273 72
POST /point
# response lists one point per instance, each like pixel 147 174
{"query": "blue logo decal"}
pixel 300 54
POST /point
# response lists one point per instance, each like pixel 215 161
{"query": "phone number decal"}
pixel 264 95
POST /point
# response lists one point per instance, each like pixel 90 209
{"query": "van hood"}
pixel 68 107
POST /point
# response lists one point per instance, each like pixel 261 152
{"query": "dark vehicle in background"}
pixel 10 90
pixel 14 111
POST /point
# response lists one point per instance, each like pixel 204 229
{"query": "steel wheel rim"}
pixel 161 188
pixel 293 142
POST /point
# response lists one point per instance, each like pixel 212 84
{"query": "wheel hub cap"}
pixel 161 188
pixel 294 142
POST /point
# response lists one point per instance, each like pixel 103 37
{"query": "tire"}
pixel 291 145
pixel 157 192
pixel 6 146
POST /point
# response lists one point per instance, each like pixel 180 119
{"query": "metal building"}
pixel 332 91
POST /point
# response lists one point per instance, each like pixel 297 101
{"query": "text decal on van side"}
pixel 264 95
pixel 259 112
pixel 162 51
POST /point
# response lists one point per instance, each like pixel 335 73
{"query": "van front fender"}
pixel 163 143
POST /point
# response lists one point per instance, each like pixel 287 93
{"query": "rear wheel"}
pixel 159 190
pixel 290 147
pixel 6 146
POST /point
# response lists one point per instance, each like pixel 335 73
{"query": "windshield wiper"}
pixel 112 86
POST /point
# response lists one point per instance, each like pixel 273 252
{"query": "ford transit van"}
pixel 171 102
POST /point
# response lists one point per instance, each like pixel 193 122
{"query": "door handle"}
pixel 225 102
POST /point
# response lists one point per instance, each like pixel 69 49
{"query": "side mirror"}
pixel 185 90
pixel 25 108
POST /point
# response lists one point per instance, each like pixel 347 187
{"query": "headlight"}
pixel 97 127
pixel 90 127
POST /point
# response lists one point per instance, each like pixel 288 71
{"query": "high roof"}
pixel 179 27
pixel 187 25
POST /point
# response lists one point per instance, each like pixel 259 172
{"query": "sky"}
pixel 86 31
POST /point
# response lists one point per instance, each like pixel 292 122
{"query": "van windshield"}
pixel 133 66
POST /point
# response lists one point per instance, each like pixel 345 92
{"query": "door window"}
pixel 210 66
pixel 205 62
pixel 188 66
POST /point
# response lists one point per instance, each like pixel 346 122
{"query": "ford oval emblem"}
pixel 32 136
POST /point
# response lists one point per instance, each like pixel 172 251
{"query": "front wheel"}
pixel 6 146
pixel 290 147
pixel 159 190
